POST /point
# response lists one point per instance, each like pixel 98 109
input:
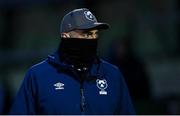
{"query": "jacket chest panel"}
pixel 61 94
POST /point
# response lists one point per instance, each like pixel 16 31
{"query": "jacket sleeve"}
pixel 25 100
pixel 125 106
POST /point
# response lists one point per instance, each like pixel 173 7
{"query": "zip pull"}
pixel 82 105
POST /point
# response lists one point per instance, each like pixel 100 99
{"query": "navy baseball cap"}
pixel 81 19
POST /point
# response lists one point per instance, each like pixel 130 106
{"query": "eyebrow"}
pixel 88 31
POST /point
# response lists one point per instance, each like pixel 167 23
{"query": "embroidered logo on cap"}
pixel 89 15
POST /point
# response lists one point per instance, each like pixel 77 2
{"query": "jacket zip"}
pixel 82 104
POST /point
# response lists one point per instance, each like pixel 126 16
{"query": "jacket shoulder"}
pixel 108 65
pixel 42 66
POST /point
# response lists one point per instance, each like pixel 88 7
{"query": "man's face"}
pixel 81 34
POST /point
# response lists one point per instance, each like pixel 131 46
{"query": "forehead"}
pixel 87 31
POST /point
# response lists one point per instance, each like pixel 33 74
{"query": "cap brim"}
pixel 97 25
pixel 101 26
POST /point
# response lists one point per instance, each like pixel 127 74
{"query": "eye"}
pixel 89 33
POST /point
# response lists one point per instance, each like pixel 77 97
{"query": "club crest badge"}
pixel 89 16
pixel 102 85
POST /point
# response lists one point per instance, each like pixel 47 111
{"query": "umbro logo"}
pixel 59 86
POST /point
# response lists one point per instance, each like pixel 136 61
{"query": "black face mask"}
pixel 78 52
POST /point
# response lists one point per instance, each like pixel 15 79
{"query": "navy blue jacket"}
pixel 51 87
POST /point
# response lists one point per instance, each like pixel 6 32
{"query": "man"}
pixel 74 80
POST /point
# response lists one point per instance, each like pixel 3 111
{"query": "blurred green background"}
pixel 149 29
